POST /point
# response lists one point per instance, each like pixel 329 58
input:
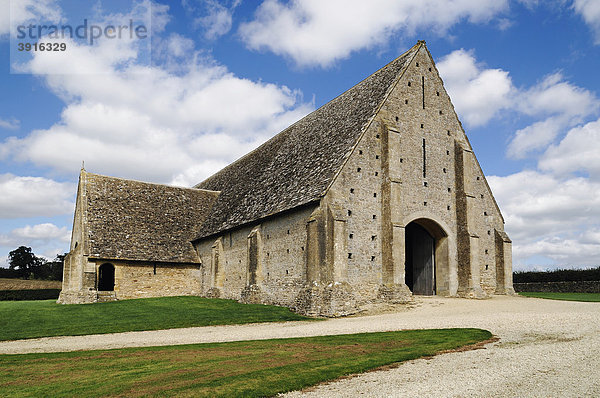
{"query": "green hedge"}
pixel 29 294
pixel 558 275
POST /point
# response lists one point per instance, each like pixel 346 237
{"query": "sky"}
pixel 210 80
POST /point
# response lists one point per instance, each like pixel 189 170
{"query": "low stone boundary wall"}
pixel 559 287
pixel 21 284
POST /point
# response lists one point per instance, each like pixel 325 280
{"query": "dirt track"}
pixel 547 348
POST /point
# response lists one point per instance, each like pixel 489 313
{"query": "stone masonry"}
pixel 321 218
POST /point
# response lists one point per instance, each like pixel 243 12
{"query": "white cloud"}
pixel 42 232
pixel 46 238
pixel 563 104
pixel 551 217
pixel 34 196
pixel 567 252
pixel 555 96
pixel 477 93
pixel 315 32
pixel 152 123
pixel 215 16
pixel 590 12
pixel 15 12
pixel 535 137
pixel 9 124
pixel 578 151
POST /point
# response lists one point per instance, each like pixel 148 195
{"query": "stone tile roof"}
pixel 296 166
pixel 132 220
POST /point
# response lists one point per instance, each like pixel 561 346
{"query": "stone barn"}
pixel 374 197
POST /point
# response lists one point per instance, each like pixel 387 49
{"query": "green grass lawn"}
pixel 239 369
pixel 590 297
pixel 30 319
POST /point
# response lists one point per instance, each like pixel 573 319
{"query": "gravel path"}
pixel 546 349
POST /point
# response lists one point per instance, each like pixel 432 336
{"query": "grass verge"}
pixel 239 369
pixel 588 297
pixel 31 319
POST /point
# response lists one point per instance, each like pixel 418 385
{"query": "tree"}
pixel 26 263
pixel 56 267
pixel 29 266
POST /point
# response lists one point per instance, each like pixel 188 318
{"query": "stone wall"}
pixel 404 169
pixel 280 272
pixel 559 287
pixel 140 280
pixel 22 284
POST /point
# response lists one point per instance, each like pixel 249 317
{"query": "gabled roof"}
pixel 132 220
pixel 297 166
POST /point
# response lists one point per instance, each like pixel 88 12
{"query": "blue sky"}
pixel 224 76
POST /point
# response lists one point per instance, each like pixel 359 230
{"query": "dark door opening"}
pixel 420 260
pixel 106 278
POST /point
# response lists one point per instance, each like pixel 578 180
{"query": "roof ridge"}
pixel 296 166
pixel 420 43
pixel 307 115
pixel 150 183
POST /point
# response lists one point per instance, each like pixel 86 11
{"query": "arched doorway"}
pixel 106 277
pixel 426 257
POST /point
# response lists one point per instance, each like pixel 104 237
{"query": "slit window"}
pixel 423 89
pixel 424 159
